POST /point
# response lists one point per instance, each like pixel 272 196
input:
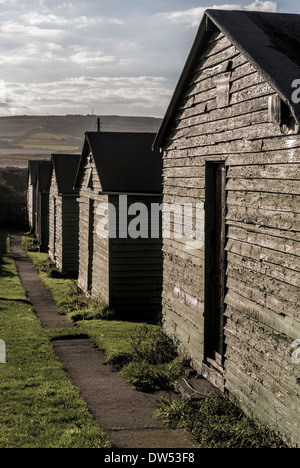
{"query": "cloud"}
pixel 35 18
pixel 117 57
pixel 116 21
pixel 90 59
pixel 258 5
pixel 140 95
pixel 192 16
pixel 13 28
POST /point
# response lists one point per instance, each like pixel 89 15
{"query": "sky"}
pixel 106 57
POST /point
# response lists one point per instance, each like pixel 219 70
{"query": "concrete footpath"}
pixel 122 412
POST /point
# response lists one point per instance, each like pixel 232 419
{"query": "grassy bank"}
pixel 40 407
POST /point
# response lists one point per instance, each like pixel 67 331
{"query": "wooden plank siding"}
pixel 63 229
pixel 55 225
pixel 70 219
pixel 262 234
pixel 136 266
pixel 96 259
pixel 31 204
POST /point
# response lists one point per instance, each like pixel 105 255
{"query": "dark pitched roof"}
pixel 125 162
pixel 43 176
pixel 65 167
pixel 269 41
pixel 32 170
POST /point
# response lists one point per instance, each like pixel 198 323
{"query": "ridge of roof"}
pixel 124 161
pixel 43 176
pixel 65 167
pixel 32 169
pixel 269 41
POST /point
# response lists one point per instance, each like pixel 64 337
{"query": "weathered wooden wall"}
pixel 63 229
pixel 262 245
pixel 93 249
pixel 55 225
pixel 136 264
pixel 42 220
pixel 70 228
pixel 31 201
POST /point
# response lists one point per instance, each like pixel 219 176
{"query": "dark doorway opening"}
pixel 215 268
pixel 90 246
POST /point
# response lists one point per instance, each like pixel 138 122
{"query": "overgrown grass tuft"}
pixel 151 362
pixel 64 289
pixel 216 422
pixel 28 244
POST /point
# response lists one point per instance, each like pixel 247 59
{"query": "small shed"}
pixel 231 144
pixel 118 177
pixel 31 193
pixel 42 205
pixel 64 212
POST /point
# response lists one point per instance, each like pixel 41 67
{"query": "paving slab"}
pixel 125 414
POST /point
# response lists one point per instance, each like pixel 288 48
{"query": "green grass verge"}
pixel 40 407
pixel 10 284
pixel 216 422
pixel 64 290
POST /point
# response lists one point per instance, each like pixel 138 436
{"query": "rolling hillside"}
pixel 27 137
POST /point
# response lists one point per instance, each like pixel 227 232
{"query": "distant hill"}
pixel 29 137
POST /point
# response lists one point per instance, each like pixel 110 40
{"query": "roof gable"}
pixel 269 41
pixel 32 170
pixel 65 167
pixel 43 176
pixel 125 162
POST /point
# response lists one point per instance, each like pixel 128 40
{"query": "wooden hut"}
pixel 230 140
pixel 42 205
pixel 31 193
pixel 64 212
pixel 118 170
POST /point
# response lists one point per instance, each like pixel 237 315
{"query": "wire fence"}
pixel 13 209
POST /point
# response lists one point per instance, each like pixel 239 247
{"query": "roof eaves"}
pixel 186 72
pixel 78 177
pixel 215 16
pixel 265 64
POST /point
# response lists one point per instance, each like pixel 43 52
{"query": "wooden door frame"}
pixel 91 223
pixel 215 270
